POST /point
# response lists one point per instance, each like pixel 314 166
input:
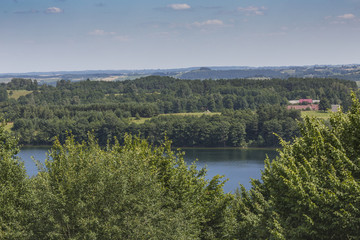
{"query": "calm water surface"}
pixel 238 165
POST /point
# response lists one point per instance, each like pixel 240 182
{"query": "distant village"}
pixel 309 105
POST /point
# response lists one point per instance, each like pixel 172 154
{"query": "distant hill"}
pixel 231 74
pixel 348 72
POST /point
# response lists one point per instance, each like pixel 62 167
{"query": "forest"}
pixel 136 190
pixel 243 112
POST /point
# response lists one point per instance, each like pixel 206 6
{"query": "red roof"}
pixel 305 100
pixel 314 107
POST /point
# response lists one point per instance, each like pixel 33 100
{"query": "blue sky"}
pixel 53 35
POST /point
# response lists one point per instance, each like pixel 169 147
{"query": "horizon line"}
pixel 175 68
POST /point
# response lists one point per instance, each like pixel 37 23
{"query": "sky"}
pixel 70 35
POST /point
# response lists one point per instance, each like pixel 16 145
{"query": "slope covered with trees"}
pixel 311 191
pixel 251 109
pixel 139 191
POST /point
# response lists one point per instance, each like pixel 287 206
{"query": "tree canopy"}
pixel 108 108
pixel 133 191
pixel 136 190
pixel 311 191
pixel 15 192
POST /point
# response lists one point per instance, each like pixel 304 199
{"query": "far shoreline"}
pixel 176 148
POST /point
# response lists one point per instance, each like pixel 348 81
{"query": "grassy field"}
pixel 317 114
pixel 116 94
pixel 197 114
pixel 17 93
pixel 138 121
pixel 8 126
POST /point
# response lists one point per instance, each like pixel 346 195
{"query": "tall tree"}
pixel 324 104
pixel 311 191
pixel 3 94
pixel 15 194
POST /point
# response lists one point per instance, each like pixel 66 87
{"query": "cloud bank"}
pixel 53 10
pixel 211 22
pixel 179 6
pixel 101 32
pixel 347 16
pixel 252 10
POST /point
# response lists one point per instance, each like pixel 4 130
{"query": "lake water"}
pixel 238 165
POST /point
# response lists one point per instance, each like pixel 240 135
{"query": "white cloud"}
pixel 212 22
pixel 100 32
pixel 54 10
pixel 113 35
pixel 179 6
pixel 252 10
pixel 347 16
pixel 122 38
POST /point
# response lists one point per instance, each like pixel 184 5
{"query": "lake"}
pixel 238 165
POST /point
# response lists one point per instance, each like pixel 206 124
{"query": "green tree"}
pixel 324 104
pixel 15 194
pixel 133 191
pixel 3 95
pixel 237 135
pixel 211 103
pixel 311 191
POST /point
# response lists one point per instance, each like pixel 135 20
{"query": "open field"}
pixel 8 126
pixel 115 94
pixel 17 93
pixel 317 114
pixel 196 114
pixel 5 79
pixel 138 121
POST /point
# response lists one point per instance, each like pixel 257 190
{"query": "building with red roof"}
pixel 306 101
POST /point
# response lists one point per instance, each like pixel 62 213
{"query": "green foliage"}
pixel 311 191
pixel 138 191
pixel 108 107
pixel 125 192
pixel 231 128
pixel 15 195
pixel 3 95
pixel 22 84
pixel 324 104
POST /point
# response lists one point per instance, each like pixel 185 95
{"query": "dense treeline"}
pixel 138 191
pixel 251 109
pixel 231 128
pixel 175 95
